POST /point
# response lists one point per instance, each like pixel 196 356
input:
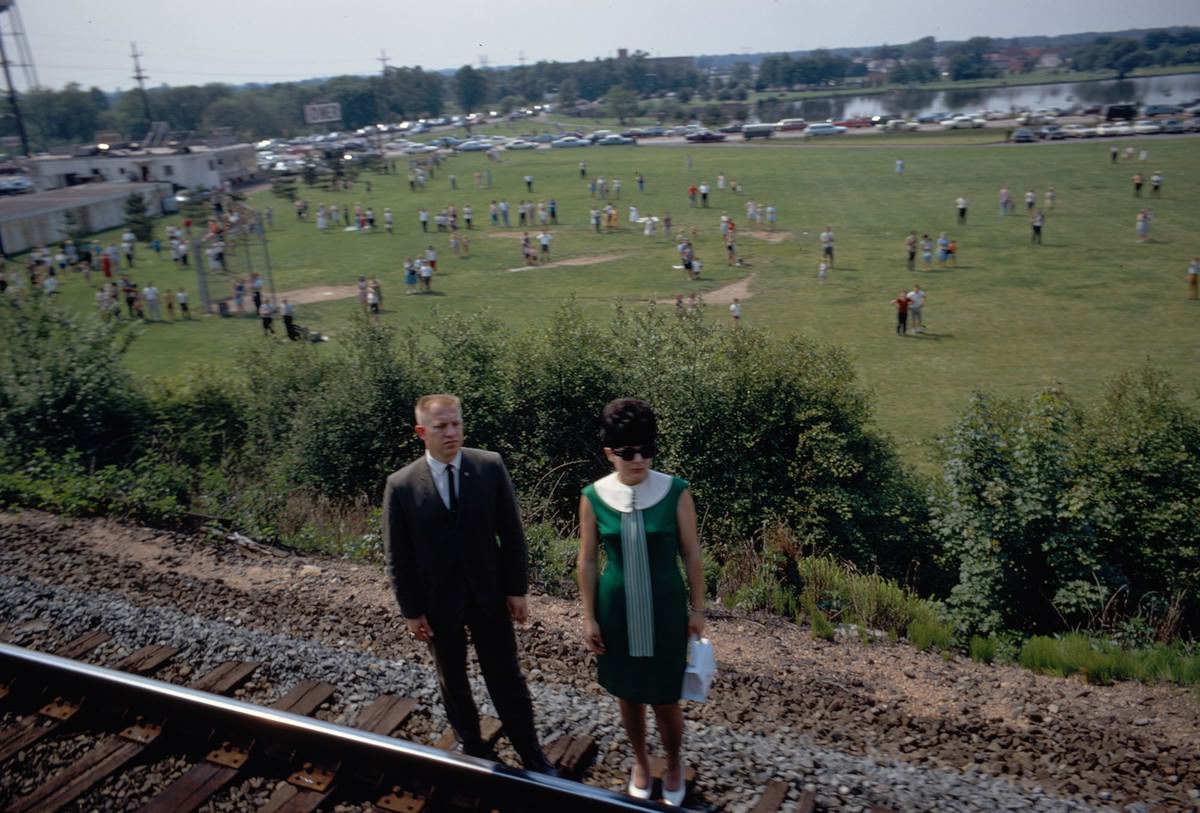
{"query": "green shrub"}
pixel 1104 662
pixel 926 633
pixel 151 490
pixel 983 650
pixel 62 383
pixel 552 560
pixel 822 627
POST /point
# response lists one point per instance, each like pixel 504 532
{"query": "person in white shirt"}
pixel 150 294
pixel 827 244
pixel 735 310
pixel 916 300
pixel 267 312
pixel 544 240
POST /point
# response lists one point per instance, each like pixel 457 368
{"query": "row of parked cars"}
pixel 1053 132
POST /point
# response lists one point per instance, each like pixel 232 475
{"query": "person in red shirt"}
pixel 901 303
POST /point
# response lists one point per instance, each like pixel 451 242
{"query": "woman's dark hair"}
pixel 627 422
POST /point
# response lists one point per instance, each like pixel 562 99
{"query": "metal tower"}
pixel 12 29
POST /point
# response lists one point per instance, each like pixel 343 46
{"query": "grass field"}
pixel 1010 318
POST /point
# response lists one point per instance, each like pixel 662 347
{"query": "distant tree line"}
pixel 75 115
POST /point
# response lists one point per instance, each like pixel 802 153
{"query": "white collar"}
pixel 439 468
pixel 622 497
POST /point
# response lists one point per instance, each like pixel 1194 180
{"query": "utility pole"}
pixel 12 100
pixel 381 99
pixel 140 77
pixel 16 31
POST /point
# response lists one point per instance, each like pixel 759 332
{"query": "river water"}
pixel 1179 89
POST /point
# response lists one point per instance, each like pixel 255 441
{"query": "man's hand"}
pixel 419 628
pixel 518 609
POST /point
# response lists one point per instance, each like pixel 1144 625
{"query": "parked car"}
pixel 750 131
pixel 1161 110
pixel 1105 129
pixel 520 144
pixel 732 127
pixel 1051 132
pixel 702 136
pixel 899 126
pixel 569 141
pixel 15 185
pixel 963 123
pixel 933 118
pixel 1173 126
pixel 420 149
pixel 1193 124
pixel 1146 127
pixel 1023 135
pixel 598 134
pixel 1126 112
pixel 791 124
pixel 473 145
pixel 855 121
pixel 824 128
pixel 614 140
pixel 1079 131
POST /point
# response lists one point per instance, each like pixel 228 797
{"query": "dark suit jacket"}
pixel 436 559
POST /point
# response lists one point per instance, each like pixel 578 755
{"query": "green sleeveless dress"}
pixel 644 622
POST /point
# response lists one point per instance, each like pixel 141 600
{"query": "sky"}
pixel 182 42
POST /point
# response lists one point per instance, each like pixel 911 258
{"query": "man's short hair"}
pixel 427 402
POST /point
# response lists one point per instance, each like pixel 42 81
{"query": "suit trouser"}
pixel 496 648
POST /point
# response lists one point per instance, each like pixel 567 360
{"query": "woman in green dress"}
pixel 638 614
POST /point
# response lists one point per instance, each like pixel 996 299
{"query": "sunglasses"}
pixel 646 450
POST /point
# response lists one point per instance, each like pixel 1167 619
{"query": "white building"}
pixel 183 167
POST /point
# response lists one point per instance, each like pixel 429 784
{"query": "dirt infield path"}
pixel 319 293
pixel 723 295
pixel 594 259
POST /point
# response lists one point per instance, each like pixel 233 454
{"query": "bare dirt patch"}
pixel 591 259
pixel 769 236
pixel 723 295
pixel 319 293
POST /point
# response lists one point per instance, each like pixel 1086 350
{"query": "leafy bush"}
pixel 62 384
pixel 983 650
pixel 925 633
pixel 150 491
pixel 1101 661
pixel 552 560
pixel 1051 514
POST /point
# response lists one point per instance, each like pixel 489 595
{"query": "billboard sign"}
pixel 318 113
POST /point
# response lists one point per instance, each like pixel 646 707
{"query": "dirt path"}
pixel 723 295
pixel 319 293
pixel 592 259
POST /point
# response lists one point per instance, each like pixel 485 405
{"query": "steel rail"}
pixel 342 744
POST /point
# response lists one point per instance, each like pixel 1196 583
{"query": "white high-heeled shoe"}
pixel 639 793
pixel 674 798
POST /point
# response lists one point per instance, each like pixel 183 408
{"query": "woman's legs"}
pixel 633 717
pixel 670 728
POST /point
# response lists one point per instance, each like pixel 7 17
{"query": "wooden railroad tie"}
pixel 115 751
pixel 309 787
pixel 55 714
pixel 773 797
pixel 225 762
pixel 572 755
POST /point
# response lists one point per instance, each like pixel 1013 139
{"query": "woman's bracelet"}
pixel 696 609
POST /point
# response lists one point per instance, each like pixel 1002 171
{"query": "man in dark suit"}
pixel 457 560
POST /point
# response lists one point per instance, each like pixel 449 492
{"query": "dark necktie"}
pixel 450 487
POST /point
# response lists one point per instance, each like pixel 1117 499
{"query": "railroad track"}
pixel 130 718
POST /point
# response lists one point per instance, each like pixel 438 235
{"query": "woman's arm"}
pixel 689 549
pixel 585 569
